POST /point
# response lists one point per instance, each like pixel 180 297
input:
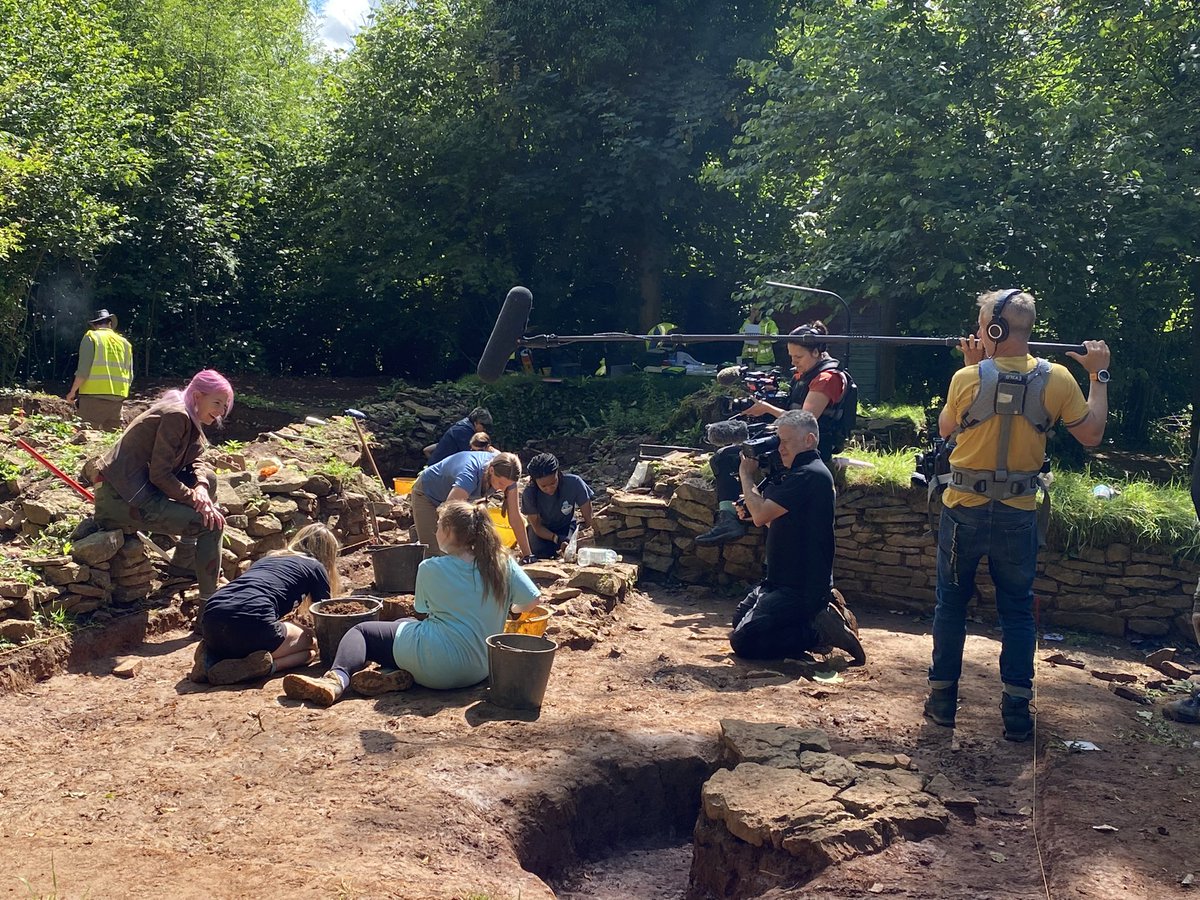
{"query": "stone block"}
pixel 17 630
pixel 1150 627
pixel 696 511
pixel 98 547
pixel 263 526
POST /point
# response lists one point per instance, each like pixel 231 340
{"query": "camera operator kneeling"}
pixel 790 611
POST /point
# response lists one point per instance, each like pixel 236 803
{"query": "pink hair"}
pixel 210 381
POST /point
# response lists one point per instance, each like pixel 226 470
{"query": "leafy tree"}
pixel 70 130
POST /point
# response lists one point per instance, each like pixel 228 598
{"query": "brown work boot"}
pixel 834 631
pixel 374 681
pixel 199 673
pixel 249 668
pixel 323 691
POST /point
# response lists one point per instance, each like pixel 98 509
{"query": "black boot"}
pixel 1018 724
pixel 834 631
pixel 728 528
pixel 1186 710
pixel 941 706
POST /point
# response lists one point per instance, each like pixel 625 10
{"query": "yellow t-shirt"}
pixel 976 448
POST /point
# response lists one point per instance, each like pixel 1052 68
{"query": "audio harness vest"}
pixel 1008 395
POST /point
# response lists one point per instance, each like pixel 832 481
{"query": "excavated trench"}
pixel 623 830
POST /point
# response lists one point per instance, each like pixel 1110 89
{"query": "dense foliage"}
pixel 244 200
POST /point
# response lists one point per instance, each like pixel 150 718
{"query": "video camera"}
pixel 765 451
pixel 934 461
pixel 931 463
pixel 759 384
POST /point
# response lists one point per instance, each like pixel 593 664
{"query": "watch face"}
pixel 1102 376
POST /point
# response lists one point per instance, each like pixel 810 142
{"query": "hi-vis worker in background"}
pixel 759 353
pixel 103 375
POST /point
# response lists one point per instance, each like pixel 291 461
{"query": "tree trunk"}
pixel 887 353
pixel 649 257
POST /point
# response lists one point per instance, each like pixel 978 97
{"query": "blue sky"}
pixel 339 20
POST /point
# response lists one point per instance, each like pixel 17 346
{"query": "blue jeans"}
pixel 1008 538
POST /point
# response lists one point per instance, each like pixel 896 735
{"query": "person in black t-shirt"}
pixel 245 636
pixel 793 610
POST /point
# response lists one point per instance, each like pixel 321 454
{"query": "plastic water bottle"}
pixel 597 556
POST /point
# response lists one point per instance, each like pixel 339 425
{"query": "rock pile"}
pixel 98 570
pixel 785 806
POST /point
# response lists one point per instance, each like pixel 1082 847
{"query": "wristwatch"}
pixel 1102 376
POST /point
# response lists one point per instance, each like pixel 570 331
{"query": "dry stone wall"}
pixel 886 558
pixel 112 569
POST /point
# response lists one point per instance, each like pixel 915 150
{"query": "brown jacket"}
pixel 158 446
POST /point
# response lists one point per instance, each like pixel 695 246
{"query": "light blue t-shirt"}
pixel 464 470
pixel 448 649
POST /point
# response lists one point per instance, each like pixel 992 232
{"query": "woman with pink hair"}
pixel 152 478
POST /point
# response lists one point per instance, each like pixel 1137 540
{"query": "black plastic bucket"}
pixel 396 566
pixel 332 627
pixel 519 669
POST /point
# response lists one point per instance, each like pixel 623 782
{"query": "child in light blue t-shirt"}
pixel 466 596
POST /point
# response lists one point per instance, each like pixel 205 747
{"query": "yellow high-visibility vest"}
pixel 761 352
pixel 112 364
pixel 660 328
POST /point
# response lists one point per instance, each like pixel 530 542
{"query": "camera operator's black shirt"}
pixel 800 543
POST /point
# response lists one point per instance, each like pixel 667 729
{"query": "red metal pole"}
pixel 84 492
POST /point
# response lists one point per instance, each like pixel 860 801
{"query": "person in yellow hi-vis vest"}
pixel 759 353
pixel 103 375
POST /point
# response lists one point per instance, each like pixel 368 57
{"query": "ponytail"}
pixel 473 530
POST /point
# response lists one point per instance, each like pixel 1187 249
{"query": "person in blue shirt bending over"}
pixel 465 595
pixel 457 438
pixel 549 503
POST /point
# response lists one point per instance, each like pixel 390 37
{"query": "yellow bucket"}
pixel 403 486
pixel 532 621
pixel 508 537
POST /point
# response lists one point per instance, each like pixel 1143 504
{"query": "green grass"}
pixel 56 618
pixel 344 472
pixel 911 411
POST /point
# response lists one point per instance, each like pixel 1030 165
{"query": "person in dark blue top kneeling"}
pixel 549 503
pixel 245 635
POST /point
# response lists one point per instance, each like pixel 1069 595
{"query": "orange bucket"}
pixel 532 621
pixel 403 486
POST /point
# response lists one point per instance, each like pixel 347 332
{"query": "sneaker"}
pixel 1018 723
pixel 231 671
pixel 941 706
pixel 727 528
pixel 323 691
pixel 834 631
pixel 1186 710
pixel 199 673
pixel 373 681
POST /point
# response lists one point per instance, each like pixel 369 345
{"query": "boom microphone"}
pixel 506 334
pixel 730 375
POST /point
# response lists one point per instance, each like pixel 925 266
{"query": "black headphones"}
pixel 997 329
pixel 808 337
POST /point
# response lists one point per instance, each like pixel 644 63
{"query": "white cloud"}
pixel 339 20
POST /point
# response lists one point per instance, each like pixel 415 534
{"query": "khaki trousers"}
pixel 101 411
pixel 425 517
pixel 161 515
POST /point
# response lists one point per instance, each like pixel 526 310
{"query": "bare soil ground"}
pixel 154 787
